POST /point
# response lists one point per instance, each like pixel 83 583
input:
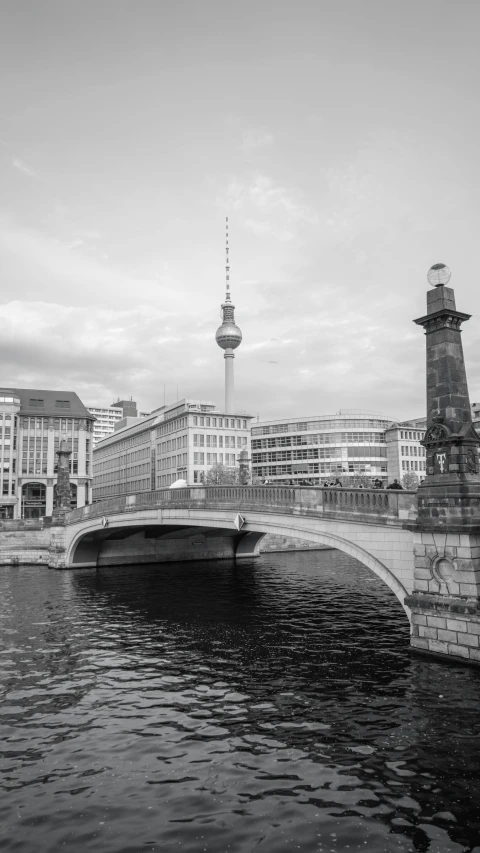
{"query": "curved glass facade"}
pixel 347 445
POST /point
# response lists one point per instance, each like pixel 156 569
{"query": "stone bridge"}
pixel 229 521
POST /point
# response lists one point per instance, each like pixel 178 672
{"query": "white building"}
pixel 106 418
pixel 178 441
pixel 348 444
pixel 405 454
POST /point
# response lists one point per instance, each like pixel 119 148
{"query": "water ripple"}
pixel 207 707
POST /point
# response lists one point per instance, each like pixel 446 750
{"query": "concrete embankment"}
pixel 273 542
pixel 24 542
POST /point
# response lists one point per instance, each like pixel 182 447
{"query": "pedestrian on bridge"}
pixel 395 485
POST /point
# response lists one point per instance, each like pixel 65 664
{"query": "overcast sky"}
pixel 341 137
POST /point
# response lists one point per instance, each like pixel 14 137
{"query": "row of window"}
pixel 201 440
pixel 319 438
pixel 413 450
pixel 412 435
pixel 319 468
pixel 113 461
pixel 413 465
pixel 214 459
pixel 59 424
pixel 172 461
pixel 171 426
pixel 221 423
pixel 320 453
pixel 335 423
pixel 173 444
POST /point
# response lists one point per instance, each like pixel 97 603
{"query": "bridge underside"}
pixel 161 543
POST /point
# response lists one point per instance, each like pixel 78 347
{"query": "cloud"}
pixel 269 208
pixel 24 169
pixel 254 139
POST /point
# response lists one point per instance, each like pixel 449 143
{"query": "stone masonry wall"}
pixel 24 546
pixel 445 603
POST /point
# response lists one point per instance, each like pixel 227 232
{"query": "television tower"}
pixel 228 336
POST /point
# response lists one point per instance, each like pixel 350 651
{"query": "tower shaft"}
pixel 229 355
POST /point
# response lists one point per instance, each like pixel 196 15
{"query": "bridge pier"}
pixel 445 602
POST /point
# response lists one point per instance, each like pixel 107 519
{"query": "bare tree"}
pixel 410 481
pixel 220 475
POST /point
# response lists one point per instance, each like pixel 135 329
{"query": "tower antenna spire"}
pixel 227 263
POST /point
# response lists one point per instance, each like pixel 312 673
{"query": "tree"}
pixel 220 475
pixel 410 481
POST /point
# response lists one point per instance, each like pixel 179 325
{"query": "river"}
pixel 272 706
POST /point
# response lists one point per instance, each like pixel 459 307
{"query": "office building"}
pixel 405 454
pixel 32 423
pixel 179 441
pixel 348 444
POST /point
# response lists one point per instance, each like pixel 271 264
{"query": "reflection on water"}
pixel 272 706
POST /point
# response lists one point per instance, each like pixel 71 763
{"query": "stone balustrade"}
pixel 375 506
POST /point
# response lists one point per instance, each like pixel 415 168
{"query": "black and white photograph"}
pixel 239 428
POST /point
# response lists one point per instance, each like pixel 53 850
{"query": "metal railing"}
pixel 373 505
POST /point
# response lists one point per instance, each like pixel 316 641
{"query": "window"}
pixel 195 421
pixel 62 404
pixel 220 422
pixel 5 488
pixel 35 402
pixel 198 458
pixel 244 424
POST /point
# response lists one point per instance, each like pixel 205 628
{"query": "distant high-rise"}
pixel 228 337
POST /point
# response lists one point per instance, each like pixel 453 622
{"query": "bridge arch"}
pixel 86 542
pixel 332 540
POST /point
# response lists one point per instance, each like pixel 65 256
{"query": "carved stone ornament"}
pixel 472 461
pixel 437 432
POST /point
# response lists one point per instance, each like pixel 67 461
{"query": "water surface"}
pixel 270 707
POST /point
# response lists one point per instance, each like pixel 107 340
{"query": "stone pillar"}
pixel 445 601
pixel 64 494
pixel 244 468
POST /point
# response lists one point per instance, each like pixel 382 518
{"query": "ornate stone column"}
pixel 445 601
pixel 244 468
pixel 64 495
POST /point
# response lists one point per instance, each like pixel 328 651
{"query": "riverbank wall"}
pixel 24 542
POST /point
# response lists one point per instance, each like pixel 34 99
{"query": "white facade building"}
pixel 180 441
pixel 347 444
pixel 405 454
pixel 106 418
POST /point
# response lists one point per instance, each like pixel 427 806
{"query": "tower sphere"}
pixel 228 336
pixel 438 275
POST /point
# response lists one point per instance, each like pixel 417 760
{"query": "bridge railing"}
pixel 370 505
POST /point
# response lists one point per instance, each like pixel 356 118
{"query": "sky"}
pixel 341 139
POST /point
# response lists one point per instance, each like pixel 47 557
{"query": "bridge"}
pixel 230 521
pixel 425 546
